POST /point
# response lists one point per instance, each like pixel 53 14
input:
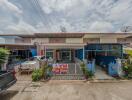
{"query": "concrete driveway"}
pixel 61 90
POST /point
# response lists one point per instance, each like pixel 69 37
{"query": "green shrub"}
pixel 130 71
pixel 3 55
pixel 37 74
pixel 50 68
pixel 129 52
pixel 43 68
pixel 127 68
pixel 49 71
pixel 83 67
pixel 86 72
pixel 46 71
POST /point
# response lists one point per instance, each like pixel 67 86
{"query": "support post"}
pixel 121 51
pixel 38 48
pixel 45 50
pixel 75 69
pixel 83 53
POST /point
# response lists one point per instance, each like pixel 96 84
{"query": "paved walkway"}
pixel 101 74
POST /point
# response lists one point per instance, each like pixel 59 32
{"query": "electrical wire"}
pixel 35 6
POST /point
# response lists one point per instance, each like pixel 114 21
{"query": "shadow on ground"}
pixel 7 95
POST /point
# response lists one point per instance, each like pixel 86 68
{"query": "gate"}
pixel 69 71
pixel 91 65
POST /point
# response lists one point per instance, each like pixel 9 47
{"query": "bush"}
pixel 127 68
pixel 37 74
pixel 44 68
pixel 86 72
pixel 48 71
pixel 83 67
pixel 44 72
pixel 3 55
pixel 129 52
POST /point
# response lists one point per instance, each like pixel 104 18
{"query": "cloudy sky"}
pixel 29 16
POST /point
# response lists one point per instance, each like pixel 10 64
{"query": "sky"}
pixel 32 16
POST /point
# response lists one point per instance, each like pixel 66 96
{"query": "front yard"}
pixel 25 89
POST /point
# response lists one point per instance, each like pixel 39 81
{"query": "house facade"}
pixel 98 50
pixel 66 47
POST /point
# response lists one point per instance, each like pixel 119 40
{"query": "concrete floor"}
pixel 101 74
pixel 24 89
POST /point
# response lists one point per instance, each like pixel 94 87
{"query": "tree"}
pixel 3 55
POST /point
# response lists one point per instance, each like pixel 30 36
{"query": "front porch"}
pixel 99 58
pixel 61 53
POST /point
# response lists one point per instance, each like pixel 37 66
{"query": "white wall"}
pixel 7 39
pixel 40 40
pixel 74 40
pixel 2 40
pixel 10 40
pixel 108 40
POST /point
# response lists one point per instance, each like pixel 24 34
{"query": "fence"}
pixel 69 71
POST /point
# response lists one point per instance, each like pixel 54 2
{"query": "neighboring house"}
pixel 16 44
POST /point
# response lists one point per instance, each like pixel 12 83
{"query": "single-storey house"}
pixel 67 47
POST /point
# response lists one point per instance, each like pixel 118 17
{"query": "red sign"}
pixel 60 68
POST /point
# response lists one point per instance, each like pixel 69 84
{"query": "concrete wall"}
pixel 22 40
pixel 7 40
pixel 108 40
pixel 74 40
pixel 91 40
pixel 78 40
pixel 10 41
pixel 14 40
pixel 2 40
pixel 40 40
pixel 124 40
pixel 103 38
pixel 88 38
